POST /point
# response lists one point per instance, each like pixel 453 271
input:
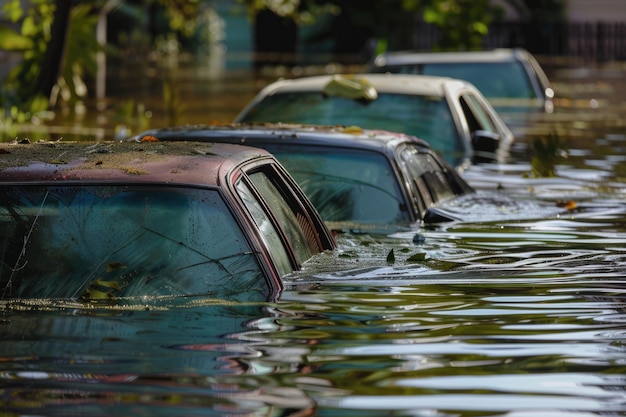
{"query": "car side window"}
pixel 476 114
pixel 429 182
pixel 346 184
pixel 291 218
pixel 287 226
pixel 269 232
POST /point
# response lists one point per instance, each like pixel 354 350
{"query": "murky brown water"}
pixel 514 318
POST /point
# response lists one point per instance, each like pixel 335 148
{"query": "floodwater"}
pixel 498 317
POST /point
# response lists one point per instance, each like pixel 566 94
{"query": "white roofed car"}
pixel 450 114
pixel 511 79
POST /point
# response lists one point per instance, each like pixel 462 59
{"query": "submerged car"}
pixel 451 115
pixel 356 179
pixel 110 221
pixel 511 79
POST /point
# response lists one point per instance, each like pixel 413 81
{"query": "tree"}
pixel 53 56
pixel 57 39
pixel 60 50
pixel 392 23
pixel 462 23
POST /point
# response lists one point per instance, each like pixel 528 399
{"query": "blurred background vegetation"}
pixel 64 44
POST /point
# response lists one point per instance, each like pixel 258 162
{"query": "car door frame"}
pixel 505 136
pixel 229 181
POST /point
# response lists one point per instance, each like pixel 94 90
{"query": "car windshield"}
pixel 494 80
pixel 346 185
pixel 426 117
pixel 105 242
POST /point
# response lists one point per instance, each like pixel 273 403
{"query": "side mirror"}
pixel 485 145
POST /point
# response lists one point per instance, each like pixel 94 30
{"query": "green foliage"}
pixel 80 53
pixel 19 87
pixel 131 117
pixel 546 153
pixel 13 41
pixel 182 15
pixel 300 11
pixel 463 23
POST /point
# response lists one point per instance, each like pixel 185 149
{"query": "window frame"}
pixel 296 201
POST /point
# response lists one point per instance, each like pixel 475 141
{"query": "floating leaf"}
pixel 391 257
pixel 569 204
pixel 418 257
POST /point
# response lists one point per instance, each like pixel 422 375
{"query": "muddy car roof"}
pixel 121 161
pixel 350 136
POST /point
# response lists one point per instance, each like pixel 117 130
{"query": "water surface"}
pixel 518 316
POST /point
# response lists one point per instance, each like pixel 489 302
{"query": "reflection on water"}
pixel 502 317
pixel 442 347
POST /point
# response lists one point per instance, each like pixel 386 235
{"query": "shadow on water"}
pixel 503 316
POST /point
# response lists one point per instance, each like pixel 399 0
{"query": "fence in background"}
pixel 589 41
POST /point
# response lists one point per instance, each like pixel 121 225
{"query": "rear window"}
pixel 494 80
pixel 426 117
pixel 103 242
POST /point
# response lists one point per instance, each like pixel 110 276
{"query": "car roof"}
pixel 416 57
pixel 409 84
pixel 286 133
pixel 145 162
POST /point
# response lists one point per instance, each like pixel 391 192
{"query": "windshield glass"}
pixel 105 242
pixel 346 184
pixel 426 117
pixel 494 80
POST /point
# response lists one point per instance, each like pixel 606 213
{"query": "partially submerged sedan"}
pixel 109 220
pixel 450 114
pixel 356 179
pixel 511 79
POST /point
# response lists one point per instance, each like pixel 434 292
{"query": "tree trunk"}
pixel 53 58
